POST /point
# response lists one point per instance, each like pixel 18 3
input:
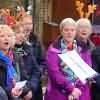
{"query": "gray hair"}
pixel 67 22
pixel 84 22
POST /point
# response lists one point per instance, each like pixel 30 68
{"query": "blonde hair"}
pixel 5 29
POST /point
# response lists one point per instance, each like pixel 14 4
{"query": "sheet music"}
pixel 81 69
pixel 84 66
pixel 20 84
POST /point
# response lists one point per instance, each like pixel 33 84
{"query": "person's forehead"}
pixel 27 20
pixel 6 33
pixel 69 27
pixel 20 31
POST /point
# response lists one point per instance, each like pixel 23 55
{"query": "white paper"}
pixel 81 69
pixel 20 84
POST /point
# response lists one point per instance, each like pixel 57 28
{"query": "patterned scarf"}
pixel 69 75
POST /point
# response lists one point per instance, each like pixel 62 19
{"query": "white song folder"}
pixel 81 69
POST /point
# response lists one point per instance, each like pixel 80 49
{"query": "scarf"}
pixel 11 73
pixel 69 75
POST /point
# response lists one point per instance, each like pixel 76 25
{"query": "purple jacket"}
pixel 58 88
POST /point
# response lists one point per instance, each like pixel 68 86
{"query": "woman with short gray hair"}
pixel 84 29
pixel 85 46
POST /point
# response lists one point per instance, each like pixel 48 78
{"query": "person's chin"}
pixel 19 43
pixel 84 37
pixel 6 49
pixel 71 39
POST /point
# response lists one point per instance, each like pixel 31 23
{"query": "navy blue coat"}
pixel 28 70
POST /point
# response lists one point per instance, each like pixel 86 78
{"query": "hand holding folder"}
pixel 81 69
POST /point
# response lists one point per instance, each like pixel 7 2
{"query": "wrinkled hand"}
pixel 91 81
pixel 28 96
pixel 75 94
pixel 16 92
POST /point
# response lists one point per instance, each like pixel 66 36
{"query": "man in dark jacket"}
pixel 27 66
pixel 96 66
pixel 38 49
pixel 32 38
pixel 28 69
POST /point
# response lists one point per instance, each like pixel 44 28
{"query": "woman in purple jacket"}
pixel 64 85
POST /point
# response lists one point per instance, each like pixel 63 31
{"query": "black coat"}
pixel 3 74
pixel 3 78
pixel 28 70
pixel 96 65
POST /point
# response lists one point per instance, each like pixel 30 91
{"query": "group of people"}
pixel 63 84
pixel 23 59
